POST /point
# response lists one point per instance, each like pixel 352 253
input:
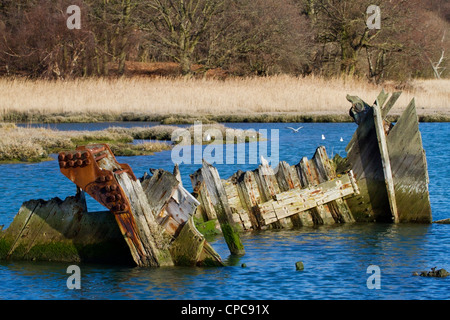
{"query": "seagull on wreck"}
pixel 294 130
pixel 323 137
pixel 341 140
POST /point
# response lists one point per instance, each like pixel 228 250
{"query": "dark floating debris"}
pixel 441 273
pixel 299 266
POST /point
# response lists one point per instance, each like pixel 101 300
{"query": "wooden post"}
pixel 177 174
pixel 209 179
pixel 382 144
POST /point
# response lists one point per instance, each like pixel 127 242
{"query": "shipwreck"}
pixel 149 220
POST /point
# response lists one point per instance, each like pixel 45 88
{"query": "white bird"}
pixel 323 137
pixel 208 138
pixel 342 140
pixel 294 130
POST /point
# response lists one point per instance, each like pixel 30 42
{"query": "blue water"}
pixel 336 258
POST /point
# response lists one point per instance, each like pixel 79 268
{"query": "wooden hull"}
pixel 390 166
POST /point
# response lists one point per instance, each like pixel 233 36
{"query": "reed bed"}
pixel 170 100
pixel 19 144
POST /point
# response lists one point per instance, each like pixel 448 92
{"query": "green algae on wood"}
pixel 191 249
pixel 57 230
pixel 207 182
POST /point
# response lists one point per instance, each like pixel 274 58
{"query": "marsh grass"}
pixel 182 100
pixel 19 144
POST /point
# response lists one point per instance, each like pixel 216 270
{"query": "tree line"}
pixel 243 37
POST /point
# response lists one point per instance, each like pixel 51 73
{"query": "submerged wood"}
pixel 384 178
pixel 307 194
pixel 208 186
pixel 390 166
pixel 160 210
pixel 65 231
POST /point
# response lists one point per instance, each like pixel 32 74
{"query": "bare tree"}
pixel 343 23
pixel 178 26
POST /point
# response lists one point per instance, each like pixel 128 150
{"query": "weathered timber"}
pixel 307 194
pixel 390 166
pixel 148 242
pixel 191 249
pixel 207 183
pixel 57 230
pixel 364 158
pixel 443 221
pixel 409 168
pixel 160 210
pixel 386 163
pixel 299 201
pixel 173 206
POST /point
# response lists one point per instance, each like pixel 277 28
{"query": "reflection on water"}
pixel 335 257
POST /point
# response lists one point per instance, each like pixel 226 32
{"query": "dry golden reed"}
pixel 310 95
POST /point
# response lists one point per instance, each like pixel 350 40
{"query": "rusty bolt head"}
pixel 69 156
pixel 108 178
pixel 111 199
pixel 113 187
pixel 108 188
pixel 123 207
pixel 87 162
pixel 79 162
pixel 101 179
pixel 118 197
pixel 61 157
pixel 62 164
pixel 71 163
pixel 78 155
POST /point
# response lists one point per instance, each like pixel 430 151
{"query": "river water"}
pixel 336 258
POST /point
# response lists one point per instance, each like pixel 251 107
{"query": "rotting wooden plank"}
pixel 296 201
pixel 323 164
pixel 364 158
pixel 31 228
pixel 381 98
pixel 388 106
pixel 161 186
pixel 285 176
pixel 63 231
pixel 177 174
pixel 266 180
pixel 386 163
pixel 250 193
pixel 216 192
pixel 244 211
pixel 191 249
pixel 151 244
pixel 305 173
pixel 409 167
pixel 152 236
pixel 234 199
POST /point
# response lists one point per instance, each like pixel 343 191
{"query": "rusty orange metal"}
pixel 82 167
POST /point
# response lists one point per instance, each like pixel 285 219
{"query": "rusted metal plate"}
pixel 82 168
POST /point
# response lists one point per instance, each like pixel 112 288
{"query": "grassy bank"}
pixel 181 100
pixel 18 144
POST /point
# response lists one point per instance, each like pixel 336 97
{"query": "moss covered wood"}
pixel 207 181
